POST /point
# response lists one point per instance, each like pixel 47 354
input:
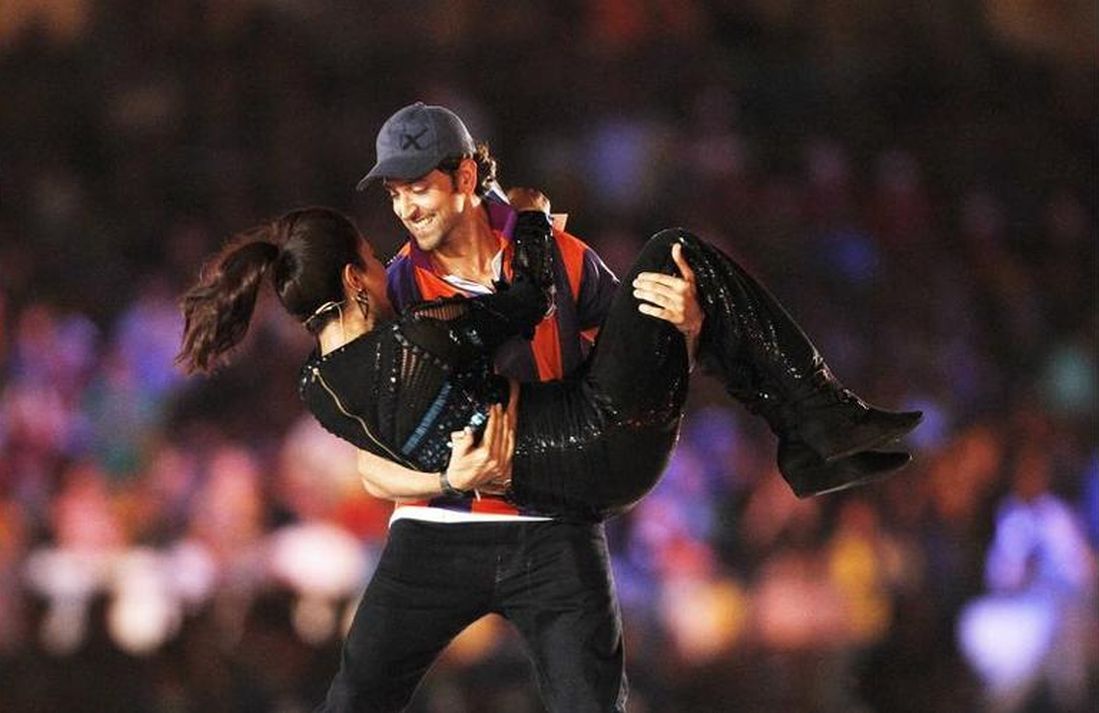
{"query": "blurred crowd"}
pixel 917 184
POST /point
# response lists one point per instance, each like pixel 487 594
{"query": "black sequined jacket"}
pixel 401 389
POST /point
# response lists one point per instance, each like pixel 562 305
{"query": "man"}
pixel 454 558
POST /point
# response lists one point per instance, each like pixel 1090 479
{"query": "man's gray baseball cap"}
pixel 415 140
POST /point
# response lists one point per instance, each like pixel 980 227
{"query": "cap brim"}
pixel 403 168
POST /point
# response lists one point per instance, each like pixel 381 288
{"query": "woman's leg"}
pixel 639 364
pixel 599 447
pixel 767 362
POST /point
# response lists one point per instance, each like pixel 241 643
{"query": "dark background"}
pixel 916 181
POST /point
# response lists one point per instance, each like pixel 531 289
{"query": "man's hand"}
pixel 528 199
pixel 485 467
pixel 673 299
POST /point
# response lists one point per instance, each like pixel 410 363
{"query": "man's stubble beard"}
pixel 429 242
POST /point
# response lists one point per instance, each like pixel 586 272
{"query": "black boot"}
pixel 808 474
pixel 767 362
pixel 831 420
pixel 801 464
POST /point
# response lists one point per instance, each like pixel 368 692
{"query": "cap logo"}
pixel 408 140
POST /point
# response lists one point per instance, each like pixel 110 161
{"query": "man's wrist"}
pixel 448 489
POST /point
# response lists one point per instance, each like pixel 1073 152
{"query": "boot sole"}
pixel 865 480
pixel 807 474
pixel 803 488
pixel 871 444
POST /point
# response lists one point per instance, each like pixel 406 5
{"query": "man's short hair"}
pixel 486 168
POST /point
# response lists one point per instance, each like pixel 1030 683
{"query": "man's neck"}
pixel 469 249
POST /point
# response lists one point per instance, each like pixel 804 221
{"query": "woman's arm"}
pixel 514 309
pixel 481 467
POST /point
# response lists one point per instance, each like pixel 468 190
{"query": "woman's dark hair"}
pixel 304 252
pixel 486 168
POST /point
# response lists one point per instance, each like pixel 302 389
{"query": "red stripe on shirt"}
pixel 492 505
pixel 572 254
pixel 546 346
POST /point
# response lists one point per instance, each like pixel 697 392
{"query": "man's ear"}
pixel 466 176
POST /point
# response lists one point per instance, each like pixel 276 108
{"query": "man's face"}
pixel 430 207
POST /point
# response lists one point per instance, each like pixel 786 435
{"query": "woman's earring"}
pixel 363 300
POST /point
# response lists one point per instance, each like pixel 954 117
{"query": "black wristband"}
pixel 449 490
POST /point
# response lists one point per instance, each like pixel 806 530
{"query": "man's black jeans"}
pixel 550 579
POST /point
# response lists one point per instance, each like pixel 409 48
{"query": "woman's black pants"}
pixel 595 445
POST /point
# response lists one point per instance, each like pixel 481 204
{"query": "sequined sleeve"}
pixel 482 323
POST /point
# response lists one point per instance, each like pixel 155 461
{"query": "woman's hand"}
pixel 485 467
pixel 522 199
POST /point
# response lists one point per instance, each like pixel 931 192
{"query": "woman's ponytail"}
pixel 305 251
pixel 218 309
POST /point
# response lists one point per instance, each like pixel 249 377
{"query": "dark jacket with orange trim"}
pixel 585 286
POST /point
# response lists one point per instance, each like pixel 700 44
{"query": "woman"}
pixel 401 386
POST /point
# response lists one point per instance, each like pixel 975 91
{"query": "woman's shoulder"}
pixel 359 350
pixel 364 342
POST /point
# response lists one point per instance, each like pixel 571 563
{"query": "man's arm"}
pixel 481 467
